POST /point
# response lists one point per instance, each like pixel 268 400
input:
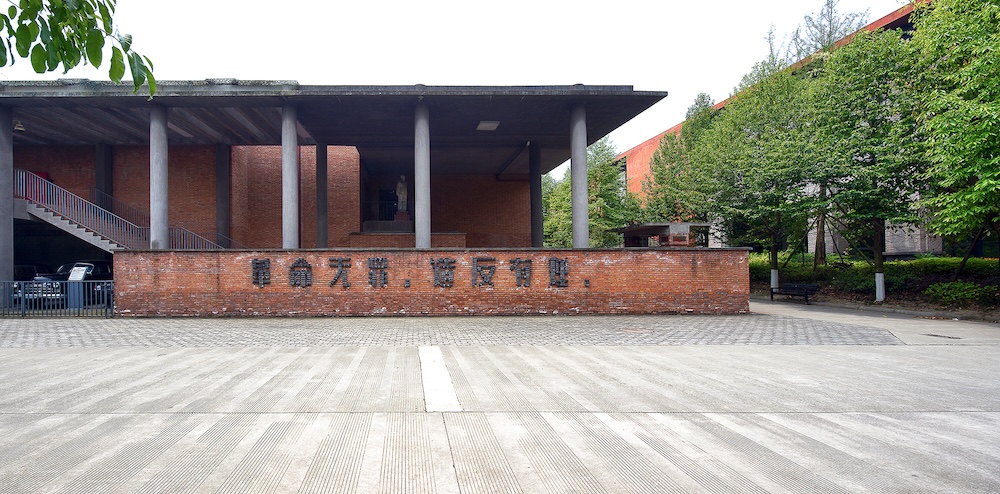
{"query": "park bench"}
pixel 795 290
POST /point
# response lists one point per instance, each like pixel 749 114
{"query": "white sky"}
pixel 680 46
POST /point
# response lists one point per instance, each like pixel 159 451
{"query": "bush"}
pixel 961 294
pixel 909 280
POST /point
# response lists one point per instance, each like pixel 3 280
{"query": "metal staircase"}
pixel 89 222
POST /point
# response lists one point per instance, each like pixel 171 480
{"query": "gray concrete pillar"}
pixel 322 200
pixel 422 177
pixel 289 178
pixel 578 177
pixel 223 193
pixel 159 229
pixel 535 191
pixel 6 194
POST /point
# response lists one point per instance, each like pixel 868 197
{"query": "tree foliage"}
pixel 866 124
pixel 958 45
pixel 861 133
pixel 610 204
pixel 752 158
pixel 672 189
pixel 819 31
pixel 68 33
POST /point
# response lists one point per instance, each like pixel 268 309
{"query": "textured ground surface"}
pixel 788 399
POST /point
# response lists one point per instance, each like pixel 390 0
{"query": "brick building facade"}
pixel 222 176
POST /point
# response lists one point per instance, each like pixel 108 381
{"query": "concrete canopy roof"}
pixel 378 120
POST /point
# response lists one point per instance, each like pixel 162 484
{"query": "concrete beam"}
pixel 159 229
pixel 422 177
pixel 578 177
pixel 289 178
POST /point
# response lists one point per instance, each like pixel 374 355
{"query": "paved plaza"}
pixel 790 398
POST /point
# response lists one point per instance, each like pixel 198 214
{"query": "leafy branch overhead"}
pixel 68 33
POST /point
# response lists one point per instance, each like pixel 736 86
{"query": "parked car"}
pixel 28 272
pixel 51 288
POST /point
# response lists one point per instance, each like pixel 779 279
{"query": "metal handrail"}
pixel 180 237
pixel 119 207
pixel 228 243
pixel 50 196
pixel 131 231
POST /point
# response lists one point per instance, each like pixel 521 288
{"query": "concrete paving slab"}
pixel 792 398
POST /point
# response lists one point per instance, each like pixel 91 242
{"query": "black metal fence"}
pixel 56 298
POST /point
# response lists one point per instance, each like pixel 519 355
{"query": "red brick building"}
pixel 258 197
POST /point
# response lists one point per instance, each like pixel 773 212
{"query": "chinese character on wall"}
pixel 483 269
pixel 341 265
pixel 444 271
pixel 300 274
pixel 558 272
pixel 260 272
pixel 522 271
pixel 378 275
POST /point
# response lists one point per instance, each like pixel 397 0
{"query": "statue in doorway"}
pixel 401 191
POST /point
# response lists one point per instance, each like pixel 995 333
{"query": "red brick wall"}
pixel 632 281
pixel 259 225
pixel 257 195
pixel 72 168
pixel 190 184
pixel 491 213
pixel 488 212
pixel 405 241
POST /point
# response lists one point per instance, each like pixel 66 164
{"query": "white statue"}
pixel 401 194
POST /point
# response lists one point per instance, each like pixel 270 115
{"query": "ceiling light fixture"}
pixel 488 125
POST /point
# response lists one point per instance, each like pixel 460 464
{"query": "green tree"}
pixel 610 204
pixel 67 33
pixel 819 31
pixel 558 222
pixel 865 107
pixel 751 158
pixel 762 70
pixel 958 45
pixel 817 34
pixel 671 190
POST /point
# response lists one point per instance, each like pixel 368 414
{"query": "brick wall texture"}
pixel 483 211
pixel 622 281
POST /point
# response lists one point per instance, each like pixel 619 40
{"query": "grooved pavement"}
pixel 788 399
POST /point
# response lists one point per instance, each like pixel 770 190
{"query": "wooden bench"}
pixel 795 290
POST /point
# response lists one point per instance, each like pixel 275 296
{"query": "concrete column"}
pixel 535 188
pixel 578 177
pixel 223 191
pixel 289 178
pixel 6 195
pixel 422 177
pixel 159 230
pixel 322 201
